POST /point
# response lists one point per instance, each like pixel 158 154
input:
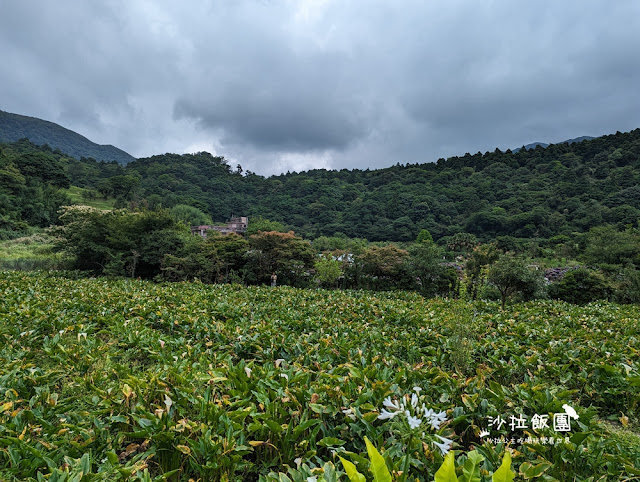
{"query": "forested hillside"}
pixel 31 183
pixel 531 194
pixel 534 194
pixel 34 181
pixel 14 127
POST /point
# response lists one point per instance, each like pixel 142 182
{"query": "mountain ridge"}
pixel 533 145
pixel 14 127
pixel 84 147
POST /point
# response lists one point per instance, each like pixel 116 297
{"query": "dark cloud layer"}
pixel 282 85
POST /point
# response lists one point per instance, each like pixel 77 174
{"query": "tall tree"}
pixel 511 275
pixel 285 254
pixel 425 266
pixel 384 267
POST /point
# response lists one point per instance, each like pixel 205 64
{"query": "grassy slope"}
pixel 29 252
pixel 75 193
pixel 36 251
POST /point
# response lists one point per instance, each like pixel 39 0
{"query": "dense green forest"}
pixel 489 214
pixel 535 194
pixel 532 194
pixel 14 127
pixel 34 182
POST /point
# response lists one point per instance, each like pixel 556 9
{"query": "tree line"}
pixel 155 244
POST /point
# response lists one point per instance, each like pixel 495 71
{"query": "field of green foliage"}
pixel 130 380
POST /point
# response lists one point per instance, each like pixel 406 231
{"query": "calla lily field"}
pixel 122 379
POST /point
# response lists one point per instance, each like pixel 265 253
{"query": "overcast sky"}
pixel 278 85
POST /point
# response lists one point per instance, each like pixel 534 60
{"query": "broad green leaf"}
pixel 471 469
pixel 331 442
pixel 378 467
pixel 524 467
pixel 356 458
pixel 275 427
pixel 370 417
pixel 529 471
pixel 85 464
pixel 112 457
pixel 504 472
pixel 578 438
pixel 305 425
pixel 447 471
pixel 352 472
pixel 329 472
pixel 169 475
pixel 318 408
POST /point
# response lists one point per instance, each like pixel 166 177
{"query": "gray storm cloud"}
pixel 290 85
pixel 297 107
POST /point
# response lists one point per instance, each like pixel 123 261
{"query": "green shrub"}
pixel 628 289
pixel 581 286
pixel 510 275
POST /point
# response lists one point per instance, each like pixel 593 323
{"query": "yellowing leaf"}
pixel 504 472
pixel 529 471
pixel 352 472
pixel 378 466
pixel 447 471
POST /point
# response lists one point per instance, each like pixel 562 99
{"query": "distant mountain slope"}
pixel 579 139
pixel 535 194
pixel 14 127
pixel 533 145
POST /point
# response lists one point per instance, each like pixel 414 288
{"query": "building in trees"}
pixel 235 225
